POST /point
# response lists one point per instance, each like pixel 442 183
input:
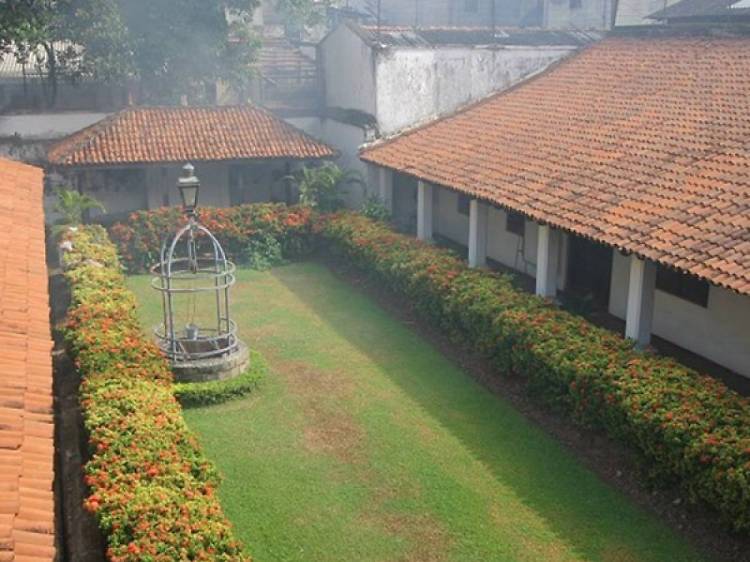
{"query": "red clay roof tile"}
pixel 141 135
pixel 26 423
pixel 639 143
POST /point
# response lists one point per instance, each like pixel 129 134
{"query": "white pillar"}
pixel 477 233
pixel 547 252
pixel 424 211
pixel 385 188
pixel 640 312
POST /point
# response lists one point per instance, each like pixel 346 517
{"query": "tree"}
pixel 171 47
pixel 301 13
pixel 65 38
pixel 183 47
pixel 73 207
pixel 322 188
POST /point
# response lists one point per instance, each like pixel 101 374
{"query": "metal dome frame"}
pixel 214 273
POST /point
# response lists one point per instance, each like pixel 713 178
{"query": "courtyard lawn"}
pixel 365 443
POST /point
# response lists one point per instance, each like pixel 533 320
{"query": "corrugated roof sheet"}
pixel 642 144
pixel 176 134
pixel 700 9
pixel 27 530
pixel 472 36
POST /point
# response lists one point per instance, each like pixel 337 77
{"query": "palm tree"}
pixel 322 187
pixel 72 205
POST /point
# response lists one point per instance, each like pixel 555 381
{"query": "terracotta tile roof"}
pixel 643 144
pixel 27 530
pixel 176 134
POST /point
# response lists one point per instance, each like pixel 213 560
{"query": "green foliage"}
pixel 192 394
pixel 171 47
pixel 151 488
pixel 322 187
pixel 690 427
pixel 72 205
pixel 182 47
pixel 374 208
pixel 139 239
pixel 66 39
pixel 301 13
pixel 263 252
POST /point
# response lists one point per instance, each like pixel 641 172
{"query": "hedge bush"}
pixel 191 394
pixel 691 427
pixel 151 488
pixel 139 239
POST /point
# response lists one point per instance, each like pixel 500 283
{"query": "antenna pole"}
pixel 378 18
pixel 494 18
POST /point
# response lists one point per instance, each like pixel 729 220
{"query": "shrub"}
pixel 72 207
pixel 374 208
pixel 690 427
pixel 322 187
pixel 139 240
pixel 204 393
pixel 151 489
pixel 263 252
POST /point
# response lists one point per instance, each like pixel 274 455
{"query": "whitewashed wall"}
pixel 635 12
pixel 720 332
pixel 348 66
pixel 346 139
pixel 502 246
pixel 162 181
pixel 46 126
pixel 415 85
pixel 591 14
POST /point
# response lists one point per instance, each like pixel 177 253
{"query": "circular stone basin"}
pixel 213 368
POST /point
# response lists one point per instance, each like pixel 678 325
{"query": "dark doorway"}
pixel 405 203
pixel 589 270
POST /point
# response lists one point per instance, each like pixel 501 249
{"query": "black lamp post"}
pixel 189 185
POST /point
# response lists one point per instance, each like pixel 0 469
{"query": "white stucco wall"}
pixel 502 246
pixel 162 181
pixel 414 85
pixel 634 12
pixel 345 138
pixel 447 221
pixel 348 71
pixel 45 126
pixel 591 14
pixel 311 125
pixel 720 332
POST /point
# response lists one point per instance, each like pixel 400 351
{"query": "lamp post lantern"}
pixel 189 186
pixel 194 277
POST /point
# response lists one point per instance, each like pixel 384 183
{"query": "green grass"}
pixel 364 443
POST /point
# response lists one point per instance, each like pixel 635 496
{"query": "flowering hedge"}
pixel 691 427
pixel 139 239
pixel 151 488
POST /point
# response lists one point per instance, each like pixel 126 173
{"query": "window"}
pixel 471 6
pixel 514 222
pixel 464 201
pixel 682 286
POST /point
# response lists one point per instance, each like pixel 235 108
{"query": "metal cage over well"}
pixel 194 277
